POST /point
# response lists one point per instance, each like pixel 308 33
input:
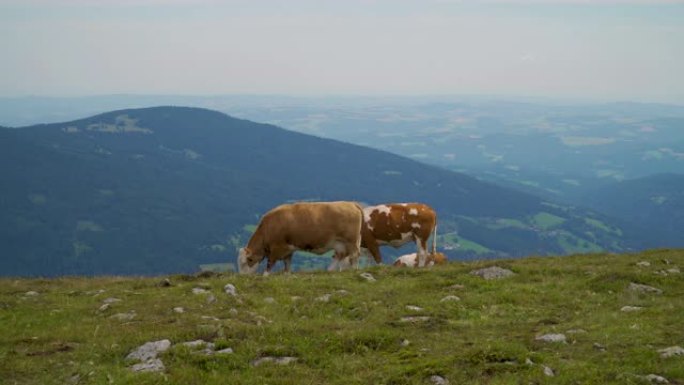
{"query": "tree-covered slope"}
pixel 168 188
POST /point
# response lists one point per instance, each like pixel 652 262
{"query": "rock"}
pixel 576 331
pixel 342 292
pixel 630 308
pixel 640 288
pixel 674 270
pixel 152 365
pixel 149 350
pixel 233 311
pixel 224 351
pixel 666 261
pixel 548 371
pixel 656 379
pixel 179 309
pixel 414 308
pixel 111 300
pixel 414 319
pixel 671 352
pixel 230 289
pixel 551 338
pixel 103 308
pixel 438 380
pixel 368 277
pixel 31 293
pixel 196 343
pixel 456 286
pixel 277 360
pixel 450 298
pixel 211 298
pixel 124 316
pixel 599 347
pixel 493 272
pixel 405 343
pixel 164 283
pixel 528 361
pixel 269 300
pixel 199 290
pixel 323 298
pixel 210 318
pixel 295 298
pixel 95 293
pixel 643 264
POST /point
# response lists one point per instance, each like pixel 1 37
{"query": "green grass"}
pixel 600 225
pixel 59 337
pixel 546 221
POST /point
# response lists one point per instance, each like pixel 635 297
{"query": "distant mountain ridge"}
pixel 164 189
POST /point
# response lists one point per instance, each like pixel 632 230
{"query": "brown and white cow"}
pixel 411 260
pixel 395 224
pixel 315 227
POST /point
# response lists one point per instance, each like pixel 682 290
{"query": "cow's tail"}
pixel 434 239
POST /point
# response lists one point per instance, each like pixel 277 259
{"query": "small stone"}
pixel 277 360
pixel 528 361
pixel 111 300
pixel 656 379
pixel 367 276
pixel 666 261
pixel 211 298
pixel 124 316
pixel 674 270
pixel 643 264
pixel 233 311
pixel 323 298
pixel 103 308
pixel 269 300
pixel 342 292
pixel 638 287
pixel 149 350
pixel 548 371
pixel 438 380
pixel 31 293
pixel 576 331
pixel 493 272
pixel 230 289
pixel 450 298
pixel 194 344
pixel 456 286
pixel 551 338
pixel 414 308
pixel 199 290
pixel 671 352
pixel 179 309
pixel 405 343
pixel 210 318
pixel 414 319
pixel 225 351
pixel 164 283
pixel 599 347
pixel 630 308
pixel 152 365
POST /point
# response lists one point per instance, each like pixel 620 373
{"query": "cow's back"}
pixel 309 225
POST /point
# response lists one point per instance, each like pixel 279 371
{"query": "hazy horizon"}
pixel 600 51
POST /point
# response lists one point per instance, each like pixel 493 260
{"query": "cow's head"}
pixel 247 261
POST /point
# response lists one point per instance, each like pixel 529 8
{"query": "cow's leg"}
pixel 277 253
pixel 288 262
pixel 421 245
pixel 374 249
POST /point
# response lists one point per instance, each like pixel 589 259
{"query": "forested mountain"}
pixel 164 189
pixel 656 202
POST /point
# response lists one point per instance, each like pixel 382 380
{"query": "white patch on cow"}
pixel 413 212
pixel 415 225
pixel 405 237
pixel 408 259
pixel 404 204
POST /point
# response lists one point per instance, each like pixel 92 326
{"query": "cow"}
pixel 315 227
pixel 395 224
pixel 411 260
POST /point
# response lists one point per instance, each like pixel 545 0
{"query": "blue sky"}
pixel 580 49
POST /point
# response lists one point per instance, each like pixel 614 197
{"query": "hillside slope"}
pixel 165 189
pixel 656 202
pixel 342 329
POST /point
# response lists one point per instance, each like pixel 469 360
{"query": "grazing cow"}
pixel 315 227
pixel 411 260
pixel 396 224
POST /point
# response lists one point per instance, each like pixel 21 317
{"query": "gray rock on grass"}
pixel 493 272
pixel 276 360
pixel 153 365
pixel 672 351
pixel 438 380
pixel 367 276
pixel 149 350
pixel 450 298
pixel 641 288
pixel 551 338
pixel 230 289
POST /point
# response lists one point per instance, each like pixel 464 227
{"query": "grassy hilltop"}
pixel 343 329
